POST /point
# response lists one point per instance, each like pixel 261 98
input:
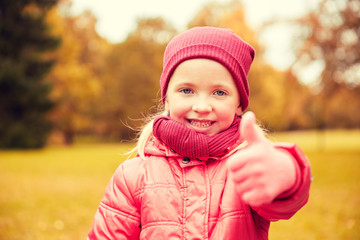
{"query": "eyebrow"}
pixel 221 86
pixel 191 85
pixel 184 83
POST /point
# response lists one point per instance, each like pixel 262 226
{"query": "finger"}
pixel 249 130
pixel 247 171
pixel 239 159
pixel 239 176
pixel 247 156
pixel 256 198
pixel 246 185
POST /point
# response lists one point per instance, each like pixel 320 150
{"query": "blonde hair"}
pixel 146 134
pixel 144 137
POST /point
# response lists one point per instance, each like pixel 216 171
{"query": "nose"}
pixel 201 106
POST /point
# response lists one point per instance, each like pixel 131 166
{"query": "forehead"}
pixel 203 71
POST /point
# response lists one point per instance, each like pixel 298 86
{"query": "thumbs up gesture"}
pixel 260 171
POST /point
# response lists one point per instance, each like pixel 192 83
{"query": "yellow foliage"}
pixel 75 82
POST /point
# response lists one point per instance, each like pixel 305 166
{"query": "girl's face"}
pixel 202 95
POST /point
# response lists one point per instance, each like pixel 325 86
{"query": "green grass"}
pixel 53 193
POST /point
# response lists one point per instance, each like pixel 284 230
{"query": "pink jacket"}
pixel 166 196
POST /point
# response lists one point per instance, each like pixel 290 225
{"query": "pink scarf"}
pixel 189 143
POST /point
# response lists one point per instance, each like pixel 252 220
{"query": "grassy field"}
pixel 333 210
pixel 53 193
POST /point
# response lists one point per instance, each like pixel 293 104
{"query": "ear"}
pixel 167 107
pixel 239 111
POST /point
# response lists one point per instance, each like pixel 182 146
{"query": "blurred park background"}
pixel 70 100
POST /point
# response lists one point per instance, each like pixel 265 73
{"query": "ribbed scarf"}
pixel 189 143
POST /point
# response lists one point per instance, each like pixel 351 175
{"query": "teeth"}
pixel 200 123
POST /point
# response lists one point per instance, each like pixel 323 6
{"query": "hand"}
pixel 260 171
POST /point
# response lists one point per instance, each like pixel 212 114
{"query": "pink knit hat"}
pixel 221 45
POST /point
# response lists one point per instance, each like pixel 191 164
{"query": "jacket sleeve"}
pixel 117 216
pixel 289 202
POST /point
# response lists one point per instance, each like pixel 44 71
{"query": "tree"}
pixel 24 96
pixel 131 79
pixel 76 77
pixel 330 38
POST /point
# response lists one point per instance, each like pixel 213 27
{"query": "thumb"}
pixel 249 130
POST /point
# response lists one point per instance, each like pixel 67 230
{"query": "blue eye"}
pixel 220 93
pixel 186 91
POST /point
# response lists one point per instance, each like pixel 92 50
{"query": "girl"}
pixel 202 170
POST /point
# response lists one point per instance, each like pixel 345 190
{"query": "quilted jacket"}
pixel 166 196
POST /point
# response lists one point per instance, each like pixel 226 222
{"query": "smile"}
pixel 201 123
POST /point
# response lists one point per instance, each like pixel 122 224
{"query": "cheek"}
pixel 226 118
pixel 177 110
pixel 226 114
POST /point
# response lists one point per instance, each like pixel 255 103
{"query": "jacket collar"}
pixel 155 148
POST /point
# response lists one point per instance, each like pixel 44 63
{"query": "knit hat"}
pixel 221 45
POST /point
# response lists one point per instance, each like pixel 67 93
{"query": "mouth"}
pixel 200 123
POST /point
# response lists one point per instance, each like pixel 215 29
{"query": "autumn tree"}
pixel 131 79
pixel 329 37
pixel 24 96
pixel 76 77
